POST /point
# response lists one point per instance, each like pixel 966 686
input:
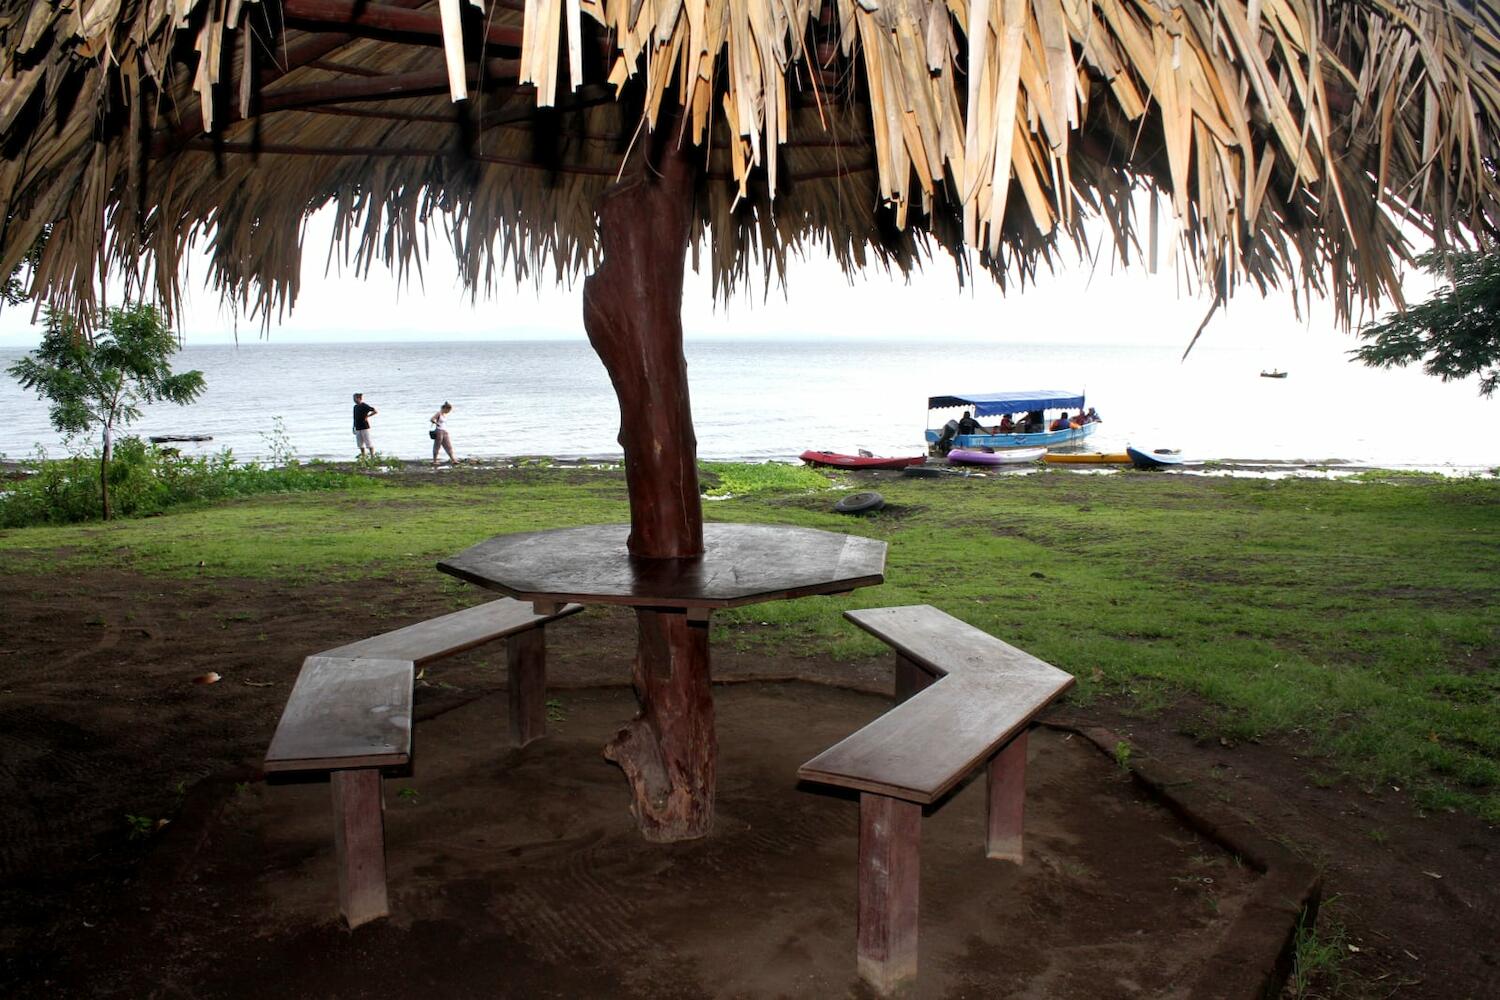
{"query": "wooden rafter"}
pixel 384 21
pixel 440 152
pixel 382 88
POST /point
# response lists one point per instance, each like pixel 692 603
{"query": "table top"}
pixel 741 564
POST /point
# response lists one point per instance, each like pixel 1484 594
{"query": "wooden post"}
pixel 526 663
pixel 910 678
pixel 1007 800
pixel 359 843
pixel 889 874
pixel 632 310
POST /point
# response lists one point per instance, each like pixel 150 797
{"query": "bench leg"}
pixel 526 659
pixel 910 678
pixel 889 868
pixel 359 842
pixel 1007 800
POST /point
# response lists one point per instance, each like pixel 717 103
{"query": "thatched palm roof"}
pixel 1282 139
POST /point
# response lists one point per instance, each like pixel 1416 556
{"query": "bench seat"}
pixel 350 714
pixel 920 750
pixel 345 712
pixel 965 699
pixel 452 634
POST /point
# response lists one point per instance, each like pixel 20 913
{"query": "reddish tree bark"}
pixel 632 310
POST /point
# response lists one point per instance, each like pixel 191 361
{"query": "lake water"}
pixel 765 399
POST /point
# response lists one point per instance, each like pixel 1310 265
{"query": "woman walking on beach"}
pixel 439 434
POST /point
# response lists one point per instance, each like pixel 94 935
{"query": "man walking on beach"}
pixel 362 413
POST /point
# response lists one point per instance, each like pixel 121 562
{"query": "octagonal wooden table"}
pixel 741 564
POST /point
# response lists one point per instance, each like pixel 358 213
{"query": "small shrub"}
pixel 147 480
pixel 748 478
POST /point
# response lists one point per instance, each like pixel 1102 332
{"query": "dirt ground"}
pixel 516 873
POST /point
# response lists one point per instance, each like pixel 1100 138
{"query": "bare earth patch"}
pixel 518 873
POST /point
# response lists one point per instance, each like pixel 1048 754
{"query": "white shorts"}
pixel 362 439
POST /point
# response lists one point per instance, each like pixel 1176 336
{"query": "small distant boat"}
pixel 178 438
pixel 1088 458
pixel 838 461
pixel 1152 459
pixel 1013 456
pixel 1273 373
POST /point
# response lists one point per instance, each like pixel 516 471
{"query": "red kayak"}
pixel 859 461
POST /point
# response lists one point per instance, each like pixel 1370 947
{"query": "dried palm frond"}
pixel 1288 139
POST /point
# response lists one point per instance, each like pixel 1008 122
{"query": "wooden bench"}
pixel 350 714
pixel 964 699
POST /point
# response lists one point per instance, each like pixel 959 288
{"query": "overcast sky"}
pixel 1079 304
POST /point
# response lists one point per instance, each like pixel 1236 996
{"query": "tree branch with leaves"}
pixel 1454 334
pixel 102 381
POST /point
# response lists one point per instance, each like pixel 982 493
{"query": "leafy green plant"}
pixel 139 827
pixel 555 711
pixel 143 479
pixel 100 381
pixel 1318 955
pixel 1454 334
pixel 1122 755
pixel 742 479
pixel 279 447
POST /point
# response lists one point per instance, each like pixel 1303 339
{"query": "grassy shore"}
pixel 1355 619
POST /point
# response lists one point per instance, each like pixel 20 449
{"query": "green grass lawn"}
pixel 1356 618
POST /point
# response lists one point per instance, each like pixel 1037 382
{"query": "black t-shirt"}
pixel 362 413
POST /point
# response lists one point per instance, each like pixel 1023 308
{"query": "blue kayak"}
pixel 1151 460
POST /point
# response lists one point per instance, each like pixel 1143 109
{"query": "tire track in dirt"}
pixel 574 910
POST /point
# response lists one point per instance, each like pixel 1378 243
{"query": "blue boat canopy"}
pixel 993 404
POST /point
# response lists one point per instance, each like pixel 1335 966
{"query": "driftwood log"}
pixel 632 310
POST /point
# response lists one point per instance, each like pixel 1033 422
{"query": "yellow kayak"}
pixel 1089 458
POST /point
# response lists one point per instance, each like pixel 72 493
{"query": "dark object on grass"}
pixel 859 503
pixel 1151 460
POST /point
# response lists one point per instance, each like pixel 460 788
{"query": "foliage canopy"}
pixel 1454 334
pixel 102 380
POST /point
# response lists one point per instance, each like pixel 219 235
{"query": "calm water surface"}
pixel 765 399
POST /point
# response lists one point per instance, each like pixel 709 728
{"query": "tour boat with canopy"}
pixel 1034 405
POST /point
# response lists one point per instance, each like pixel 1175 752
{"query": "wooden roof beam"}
pixel 432 152
pixel 379 88
pixel 383 88
pixel 384 21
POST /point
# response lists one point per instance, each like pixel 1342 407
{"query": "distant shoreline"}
pixel 1232 468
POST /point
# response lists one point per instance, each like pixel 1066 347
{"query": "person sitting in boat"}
pixel 968 425
pixel 1006 425
pixel 945 439
pixel 1092 416
pixel 1060 424
pixel 1033 423
pixel 1079 419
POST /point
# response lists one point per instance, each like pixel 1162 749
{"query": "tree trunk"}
pixel 632 310
pixel 104 471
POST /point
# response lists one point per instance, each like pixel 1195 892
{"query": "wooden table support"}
pixel 359 843
pixel 1006 776
pixel 526 686
pixel 911 677
pixel 890 839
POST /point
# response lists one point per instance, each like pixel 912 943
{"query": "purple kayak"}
pixel 1011 456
